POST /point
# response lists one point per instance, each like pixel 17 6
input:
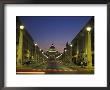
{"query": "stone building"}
pixel 25 48
pixel 83 44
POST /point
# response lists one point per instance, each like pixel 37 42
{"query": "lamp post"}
pixel 65 55
pixel 40 52
pixel 89 53
pixel 20 47
pixel 71 52
pixel 35 52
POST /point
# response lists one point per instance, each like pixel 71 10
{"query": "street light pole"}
pixel 19 59
pixel 35 52
pixel 65 58
pixel 70 52
pixel 89 53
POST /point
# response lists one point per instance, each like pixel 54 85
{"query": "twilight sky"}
pixel 58 30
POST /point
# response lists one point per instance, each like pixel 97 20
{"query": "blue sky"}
pixel 58 30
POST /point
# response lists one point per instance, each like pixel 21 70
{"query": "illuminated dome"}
pixel 52 48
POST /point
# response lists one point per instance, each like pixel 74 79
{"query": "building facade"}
pixel 52 53
pixel 26 49
pixel 83 44
pixel 81 48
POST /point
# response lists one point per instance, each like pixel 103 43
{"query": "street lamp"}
pixel 88 29
pixel 35 52
pixel 71 45
pixel 65 55
pixel 71 52
pixel 89 53
pixel 65 50
pixel 21 27
pixel 35 44
pixel 20 47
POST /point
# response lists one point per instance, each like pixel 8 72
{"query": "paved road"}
pixel 56 68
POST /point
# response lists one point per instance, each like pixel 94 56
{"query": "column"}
pixel 20 47
pixel 89 53
pixel 70 53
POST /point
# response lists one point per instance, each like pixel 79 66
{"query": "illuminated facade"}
pixel 26 50
pixel 26 42
pixel 52 53
pixel 81 48
pixel 83 45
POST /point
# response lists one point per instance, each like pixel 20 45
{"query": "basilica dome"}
pixel 52 48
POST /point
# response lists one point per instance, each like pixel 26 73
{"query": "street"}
pixel 53 67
